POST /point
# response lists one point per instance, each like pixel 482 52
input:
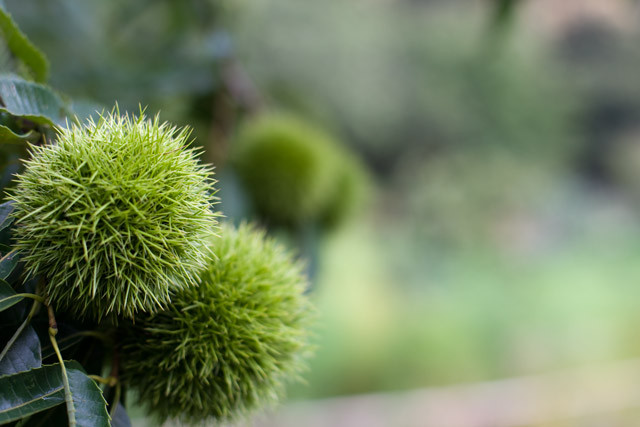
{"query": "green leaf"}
pixel 21 48
pixel 7 136
pixel 31 101
pixel 23 355
pixel 8 263
pixel 29 392
pixel 5 214
pixel 8 296
pixel 88 402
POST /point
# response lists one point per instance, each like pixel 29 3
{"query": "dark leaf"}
pixel 29 392
pixel 88 402
pixel 8 296
pixel 8 263
pixel 120 417
pixel 5 214
pixel 23 355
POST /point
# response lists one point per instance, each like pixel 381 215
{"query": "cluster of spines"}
pixel 115 215
pixel 226 347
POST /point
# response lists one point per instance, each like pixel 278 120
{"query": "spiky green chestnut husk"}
pixel 226 347
pixel 114 215
pixel 286 166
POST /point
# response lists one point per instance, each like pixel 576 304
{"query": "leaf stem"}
pixel 35 297
pixel 53 330
pixel 110 381
pixel 34 310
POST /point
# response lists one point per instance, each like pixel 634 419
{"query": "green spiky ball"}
pixel 114 215
pixel 286 166
pixel 226 347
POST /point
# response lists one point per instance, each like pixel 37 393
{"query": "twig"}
pixel 53 331
pixel 116 400
pixel 34 310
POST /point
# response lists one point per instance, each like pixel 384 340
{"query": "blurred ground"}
pixel 608 395
pixel 556 292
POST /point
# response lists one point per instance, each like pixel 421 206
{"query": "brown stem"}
pixel 53 325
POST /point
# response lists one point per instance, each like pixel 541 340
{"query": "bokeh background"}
pixel 487 272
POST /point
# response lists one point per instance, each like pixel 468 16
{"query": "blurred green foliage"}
pixel 400 82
